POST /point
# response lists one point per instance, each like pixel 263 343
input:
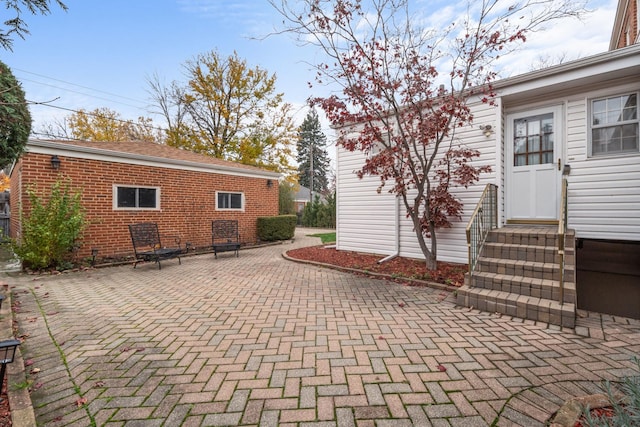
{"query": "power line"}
pixel 85 94
pixel 74 84
pixel 90 113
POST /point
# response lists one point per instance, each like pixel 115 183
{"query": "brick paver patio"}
pixel 259 340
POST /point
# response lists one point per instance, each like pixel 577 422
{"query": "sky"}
pixel 100 53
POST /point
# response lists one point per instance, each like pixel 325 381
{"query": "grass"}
pixel 326 237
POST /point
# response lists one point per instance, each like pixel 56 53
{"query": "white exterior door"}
pixel 533 162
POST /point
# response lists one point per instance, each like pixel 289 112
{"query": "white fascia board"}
pixel 624 62
pixel 91 153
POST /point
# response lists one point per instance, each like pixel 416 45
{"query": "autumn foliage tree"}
pixel 5 182
pixel 405 90
pixel 104 124
pixel 227 110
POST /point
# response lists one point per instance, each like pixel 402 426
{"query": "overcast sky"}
pixel 100 52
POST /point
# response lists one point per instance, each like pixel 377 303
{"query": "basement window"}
pixel 125 197
pixel 614 125
pixel 229 201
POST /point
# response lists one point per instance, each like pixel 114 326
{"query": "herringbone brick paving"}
pixel 259 340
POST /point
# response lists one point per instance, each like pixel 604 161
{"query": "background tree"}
pixel 5 182
pixel 320 213
pixel 16 25
pixel 229 111
pixel 313 159
pixel 15 119
pixel 404 90
pixel 286 202
pixel 103 124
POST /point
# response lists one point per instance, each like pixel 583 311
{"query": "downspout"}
pixel 397 234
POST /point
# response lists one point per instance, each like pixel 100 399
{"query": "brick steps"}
pixel 517 274
pixel 523 306
pixel 528 286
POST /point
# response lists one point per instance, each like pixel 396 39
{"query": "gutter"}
pixel 77 151
pixel 397 234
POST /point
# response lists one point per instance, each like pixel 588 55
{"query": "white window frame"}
pixel 591 126
pixel 242 201
pixel 378 146
pixel 119 208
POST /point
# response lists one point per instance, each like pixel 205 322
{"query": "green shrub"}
pixel 320 214
pixel 272 228
pixel 286 203
pixel 51 230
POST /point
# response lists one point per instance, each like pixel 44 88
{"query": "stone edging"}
pixel 22 414
pixel 570 412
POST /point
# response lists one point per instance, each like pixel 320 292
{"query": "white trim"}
pixel 590 101
pixel 500 157
pixel 621 62
pixel 114 197
pixel 621 11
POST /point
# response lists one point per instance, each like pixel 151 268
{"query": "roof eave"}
pixel 60 146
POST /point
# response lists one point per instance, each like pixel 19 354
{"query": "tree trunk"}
pixel 432 259
pixel 429 255
pixel 432 263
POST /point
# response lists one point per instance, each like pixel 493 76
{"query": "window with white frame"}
pixel 615 125
pixel 130 197
pixel 229 201
pixel 378 146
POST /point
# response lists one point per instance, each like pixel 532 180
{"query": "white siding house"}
pixel 573 102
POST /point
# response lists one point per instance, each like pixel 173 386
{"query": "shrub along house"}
pixel 575 123
pixel 129 182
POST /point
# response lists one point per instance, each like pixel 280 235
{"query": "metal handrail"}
pixel 483 219
pixel 562 231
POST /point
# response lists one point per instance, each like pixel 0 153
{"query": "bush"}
pixel 320 214
pixel 286 203
pixel 273 228
pixel 51 230
pixel 625 412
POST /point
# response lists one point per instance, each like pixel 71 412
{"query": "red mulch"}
pixel 398 268
pixel 604 413
pixel 5 412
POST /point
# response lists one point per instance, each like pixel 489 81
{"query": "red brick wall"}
pixel 187 200
pixel 630 22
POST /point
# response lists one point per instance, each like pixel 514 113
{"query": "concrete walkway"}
pixel 259 340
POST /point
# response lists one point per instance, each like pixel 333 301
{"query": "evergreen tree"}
pixel 15 119
pixel 312 154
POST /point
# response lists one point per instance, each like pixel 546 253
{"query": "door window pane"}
pixel 533 140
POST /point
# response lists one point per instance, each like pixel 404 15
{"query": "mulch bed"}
pixel 5 412
pixel 398 268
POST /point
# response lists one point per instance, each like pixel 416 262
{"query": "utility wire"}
pixel 83 93
pixel 92 114
pixel 74 84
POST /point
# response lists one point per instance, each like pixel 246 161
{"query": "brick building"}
pixel 626 26
pixel 128 182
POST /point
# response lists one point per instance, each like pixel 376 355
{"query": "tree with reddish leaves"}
pixel 404 90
